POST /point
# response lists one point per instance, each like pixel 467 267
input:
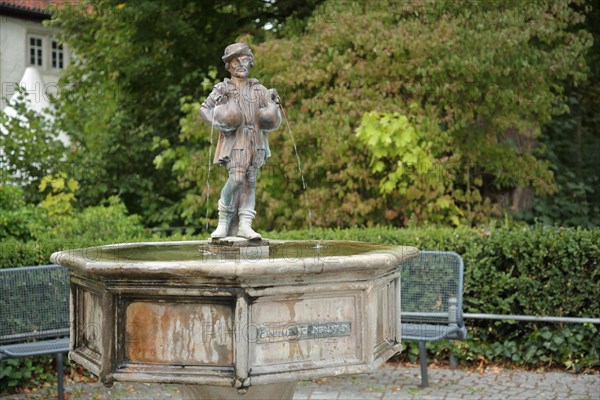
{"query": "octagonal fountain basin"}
pixel 221 316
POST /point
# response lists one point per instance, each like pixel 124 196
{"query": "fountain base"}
pixel 274 391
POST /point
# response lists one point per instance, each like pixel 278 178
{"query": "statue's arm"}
pixel 208 105
pixel 269 114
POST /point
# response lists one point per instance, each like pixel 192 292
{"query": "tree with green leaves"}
pixel 368 88
pixel 572 145
pixel 133 62
pixel 460 94
pixel 30 147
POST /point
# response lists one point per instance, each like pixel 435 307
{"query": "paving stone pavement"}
pixel 390 381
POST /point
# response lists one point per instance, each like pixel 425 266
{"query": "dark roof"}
pixel 29 9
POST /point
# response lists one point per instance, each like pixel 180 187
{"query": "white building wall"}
pixel 14 57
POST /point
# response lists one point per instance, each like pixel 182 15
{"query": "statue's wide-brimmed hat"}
pixel 236 50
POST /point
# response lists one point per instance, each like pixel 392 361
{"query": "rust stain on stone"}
pixel 180 333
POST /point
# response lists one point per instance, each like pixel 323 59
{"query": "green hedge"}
pixel 525 270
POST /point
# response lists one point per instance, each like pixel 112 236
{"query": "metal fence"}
pixel 532 318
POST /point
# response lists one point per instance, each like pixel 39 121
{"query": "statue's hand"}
pixel 273 96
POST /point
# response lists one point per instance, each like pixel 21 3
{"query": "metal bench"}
pixel 431 301
pixel 34 314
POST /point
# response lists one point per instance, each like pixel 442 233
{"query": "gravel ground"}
pixel 391 381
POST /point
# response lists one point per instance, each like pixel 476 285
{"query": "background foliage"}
pixel 572 143
pixel 484 83
pixel 29 148
pixel 478 82
pixel 135 60
pixel 29 234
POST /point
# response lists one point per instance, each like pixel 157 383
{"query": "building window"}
pixel 58 55
pixel 36 50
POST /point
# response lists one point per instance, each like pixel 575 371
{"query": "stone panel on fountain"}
pixel 306 331
pixel 184 333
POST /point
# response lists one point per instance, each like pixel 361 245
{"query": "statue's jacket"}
pixel 248 144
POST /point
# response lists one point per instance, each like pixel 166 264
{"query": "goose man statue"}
pixel 243 111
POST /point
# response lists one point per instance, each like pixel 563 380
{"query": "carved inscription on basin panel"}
pixel 89 319
pixel 179 333
pixel 317 330
pixel 306 331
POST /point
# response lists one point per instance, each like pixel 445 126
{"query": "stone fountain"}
pixel 235 316
pixel 250 315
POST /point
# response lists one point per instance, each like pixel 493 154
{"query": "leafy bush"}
pixel 573 152
pixel 109 220
pixel 17 218
pixel 15 371
pixel 410 156
pixel 103 224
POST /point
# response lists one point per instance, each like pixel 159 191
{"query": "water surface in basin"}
pixel 202 251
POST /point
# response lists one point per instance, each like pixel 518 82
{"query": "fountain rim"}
pixel 384 257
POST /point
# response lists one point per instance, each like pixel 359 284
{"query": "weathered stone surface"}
pixel 285 351
pixel 179 333
pixel 182 312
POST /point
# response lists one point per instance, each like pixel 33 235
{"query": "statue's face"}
pixel 240 66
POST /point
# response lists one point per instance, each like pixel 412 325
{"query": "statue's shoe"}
pixel 248 233
pixel 220 232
